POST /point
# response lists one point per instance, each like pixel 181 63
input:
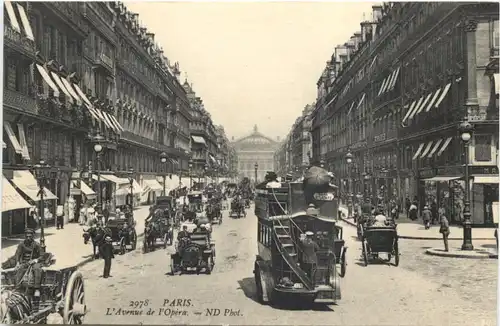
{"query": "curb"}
pixel 421 238
pixel 90 259
pixel 477 254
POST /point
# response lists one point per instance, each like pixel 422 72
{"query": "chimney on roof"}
pixel 377 13
pixel 366 31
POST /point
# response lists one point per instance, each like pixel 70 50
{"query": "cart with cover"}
pixel 378 240
pixel 62 291
pixel 196 252
pixel 282 270
pixel 123 234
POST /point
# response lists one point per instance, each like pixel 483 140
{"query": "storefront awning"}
pixel 434 148
pixel 486 179
pixel 212 159
pixel 394 79
pixel 445 145
pixel 496 77
pixel 441 179
pixel 427 148
pixel 11 199
pixel 198 139
pixel 27 183
pixel 153 185
pixel 12 137
pixel 136 187
pixel 25 22
pixel 87 191
pixel 433 100
pixel 59 83
pixel 22 142
pixel 82 95
pixel 441 98
pixel 111 178
pixel 47 79
pixel 424 104
pixel 174 161
pixel 408 112
pixel 12 16
pixel 417 153
pixel 415 109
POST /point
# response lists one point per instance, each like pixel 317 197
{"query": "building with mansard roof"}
pixel 255 154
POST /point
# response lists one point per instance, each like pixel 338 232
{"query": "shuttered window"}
pixel 482 148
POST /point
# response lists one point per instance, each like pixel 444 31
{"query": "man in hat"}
pixel 27 254
pixel 106 251
pixel 309 257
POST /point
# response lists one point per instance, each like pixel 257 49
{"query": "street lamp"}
pixel 131 181
pixel 163 159
pixel 366 177
pixel 385 190
pixel 466 129
pixel 41 173
pixel 256 167
pixel 348 158
pixel 190 165
pixel 98 139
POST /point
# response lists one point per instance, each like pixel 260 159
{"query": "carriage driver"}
pixel 27 254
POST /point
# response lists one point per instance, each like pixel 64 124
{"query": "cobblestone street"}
pixel 423 290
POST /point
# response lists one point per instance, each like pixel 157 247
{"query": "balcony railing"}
pixel 16 40
pixel 105 62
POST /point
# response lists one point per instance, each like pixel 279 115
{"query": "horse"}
pixel 97 235
pixel 150 234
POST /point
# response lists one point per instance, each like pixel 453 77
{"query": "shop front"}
pixel 485 194
pixel 14 210
pixel 28 185
pixel 150 190
pixel 445 187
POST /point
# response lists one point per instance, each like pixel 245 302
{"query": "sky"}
pixel 252 63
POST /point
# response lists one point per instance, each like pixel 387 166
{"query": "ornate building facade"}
pixel 255 149
pixel 394 96
pixel 75 70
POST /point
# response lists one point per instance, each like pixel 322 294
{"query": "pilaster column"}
pixel 471 102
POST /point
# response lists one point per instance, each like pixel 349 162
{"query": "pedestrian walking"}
pixel 426 217
pixel 407 207
pixel 59 217
pixel 445 231
pixel 106 251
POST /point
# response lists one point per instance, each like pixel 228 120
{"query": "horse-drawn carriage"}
pixel 214 211
pixel 123 234
pixel 158 229
pixel 196 252
pixel 237 207
pixel 62 291
pixel 378 240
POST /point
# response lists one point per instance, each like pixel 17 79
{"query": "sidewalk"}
pixel 67 244
pixel 418 232
pixel 458 253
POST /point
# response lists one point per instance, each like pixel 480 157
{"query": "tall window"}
pixel 482 148
pixel 495 34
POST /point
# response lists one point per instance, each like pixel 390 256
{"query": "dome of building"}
pixel 255 140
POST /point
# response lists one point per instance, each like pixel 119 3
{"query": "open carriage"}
pixel 123 238
pixel 62 291
pixel 237 208
pixel 282 270
pixel 194 253
pixel 159 230
pixel 214 212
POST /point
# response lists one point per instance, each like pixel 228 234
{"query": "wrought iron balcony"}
pixel 19 101
pixel 105 62
pixel 16 41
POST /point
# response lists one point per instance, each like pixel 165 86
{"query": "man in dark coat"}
pixel 309 258
pixel 27 254
pixel 106 251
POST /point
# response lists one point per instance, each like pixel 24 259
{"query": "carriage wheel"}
pixel 258 285
pixel 365 253
pixel 165 239
pixel 343 264
pixel 396 255
pixel 74 300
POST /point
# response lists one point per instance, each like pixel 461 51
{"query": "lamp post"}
pixel 384 189
pixel 348 158
pixel 366 177
pixel 256 167
pixel 163 159
pixel 98 139
pixel 190 165
pixel 131 181
pixel 41 170
pixel 466 134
